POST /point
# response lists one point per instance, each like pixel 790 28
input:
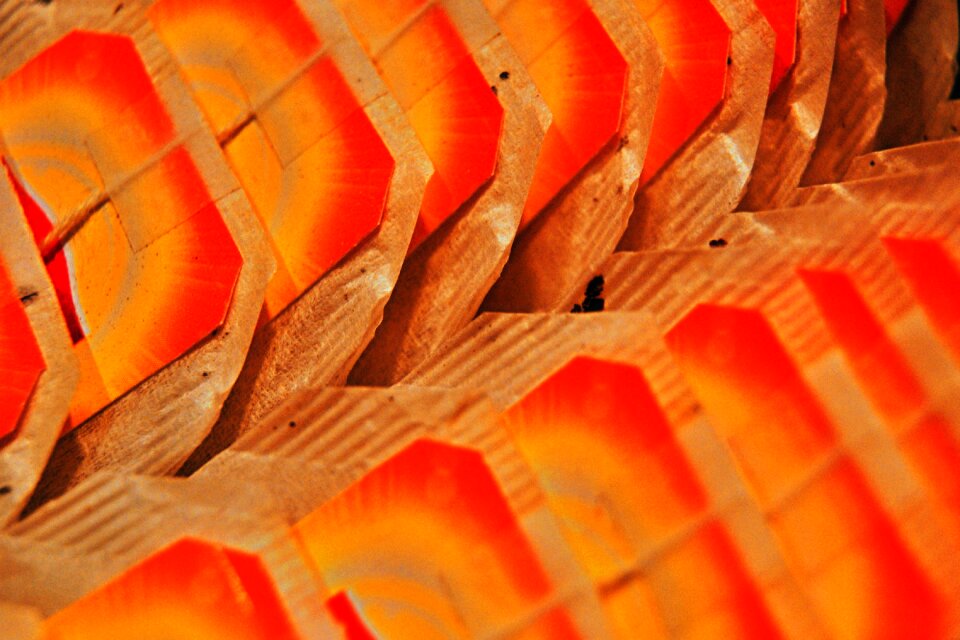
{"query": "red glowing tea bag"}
pixel 644 491
pixel 39 371
pixel 920 52
pixel 418 513
pixel 203 566
pixel 718 61
pixel 157 260
pixel 598 68
pixel 856 97
pixel 442 61
pixel 795 109
pixel 334 172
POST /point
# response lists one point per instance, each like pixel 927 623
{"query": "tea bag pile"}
pixel 500 319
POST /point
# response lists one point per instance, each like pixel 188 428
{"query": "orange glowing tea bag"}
pixel 157 260
pixel 785 358
pixel 718 60
pixel 442 60
pixel 418 513
pixel 203 567
pixel 37 366
pixel 921 48
pixel 335 174
pixel 856 97
pixel 598 68
pixel 795 109
pixel 645 494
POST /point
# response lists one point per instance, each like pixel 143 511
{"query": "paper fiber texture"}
pixel 584 222
pixel 794 112
pixel 317 338
pixel 109 523
pixel 857 93
pixel 920 70
pixel 154 427
pixel 445 279
pixel 23 458
pixel 913 158
pixel 709 174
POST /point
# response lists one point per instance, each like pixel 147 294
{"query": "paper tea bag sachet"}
pixel 442 61
pixel 138 554
pixel 333 169
pixel 646 495
pixel 796 105
pixel 418 513
pixel 598 68
pixel 913 158
pixel 157 260
pixel 856 96
pixel 39 370
pixel 718 60
pixel 921 47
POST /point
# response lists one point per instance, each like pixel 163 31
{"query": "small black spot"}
pixel 118 8
pixel 205 374
pixel 504 75
pixel 624 141
pixel 494 89
pixel 592 304
pixel 29 298
pixel 215 332
pixel 873 163
pixel 5 489
pixel 729 61
pixel 363 269
pixel 717 243
pixel 926 137
pixel 576 309
pixel 596 199
pixel 594 287
pixel 953 128
pixel 619 188
pixel 292 424
pixel 44 2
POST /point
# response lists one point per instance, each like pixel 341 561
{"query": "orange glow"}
pixel 427 546
pixel 590 411
pixel 426 64
pixel 891 385
pixel 887 379
pixel 581 76
pixel 934 278
pixel 695 43
pixel 859 573
pixel 189 590
pixel 782 16
pixel 312 163
pixel 21 361
pixel 717 597
pixel 771 420
pixel 620 483
pixel 82 119
pixel 836 535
